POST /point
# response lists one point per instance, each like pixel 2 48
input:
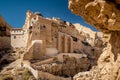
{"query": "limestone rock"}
pixel 5 43
pixel 84 30
pixel 4 34
pixel 104 15
pixel 4 27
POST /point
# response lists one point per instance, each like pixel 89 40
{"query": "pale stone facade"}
pixel 18 39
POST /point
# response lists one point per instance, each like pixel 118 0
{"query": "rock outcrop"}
pixel 104 15
pixel 4 34
pixel 4 27
pixel 92 37
pixel 5 42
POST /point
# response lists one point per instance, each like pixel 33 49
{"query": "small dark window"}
pixel 44 26
pixel 14 37
pixel 92 49
pixel 74 38
pixel 75 51
pixel 30 27
pixel 86 43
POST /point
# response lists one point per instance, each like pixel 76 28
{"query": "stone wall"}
pixel 66 35
pixel 18 38
pixel 18 41
pixel 35 51
pixel 41 26
pixel 60 65
pixel 42 75
pixel 17 31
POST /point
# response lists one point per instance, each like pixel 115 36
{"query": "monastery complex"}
pixel 47 36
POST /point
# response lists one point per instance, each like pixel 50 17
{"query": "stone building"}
pixel 18 38
pixel 53 36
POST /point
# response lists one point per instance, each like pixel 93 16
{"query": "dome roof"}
pixel 38 13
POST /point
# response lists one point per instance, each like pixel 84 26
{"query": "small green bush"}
pixel 26 74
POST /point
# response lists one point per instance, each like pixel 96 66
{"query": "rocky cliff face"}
pixel 5 45
pixel 102 14
pixel 4 34
pixel 4 27
pixel 105 16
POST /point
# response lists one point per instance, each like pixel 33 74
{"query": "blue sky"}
pixel 14 11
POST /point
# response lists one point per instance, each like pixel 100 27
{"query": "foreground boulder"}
pixel 104 15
